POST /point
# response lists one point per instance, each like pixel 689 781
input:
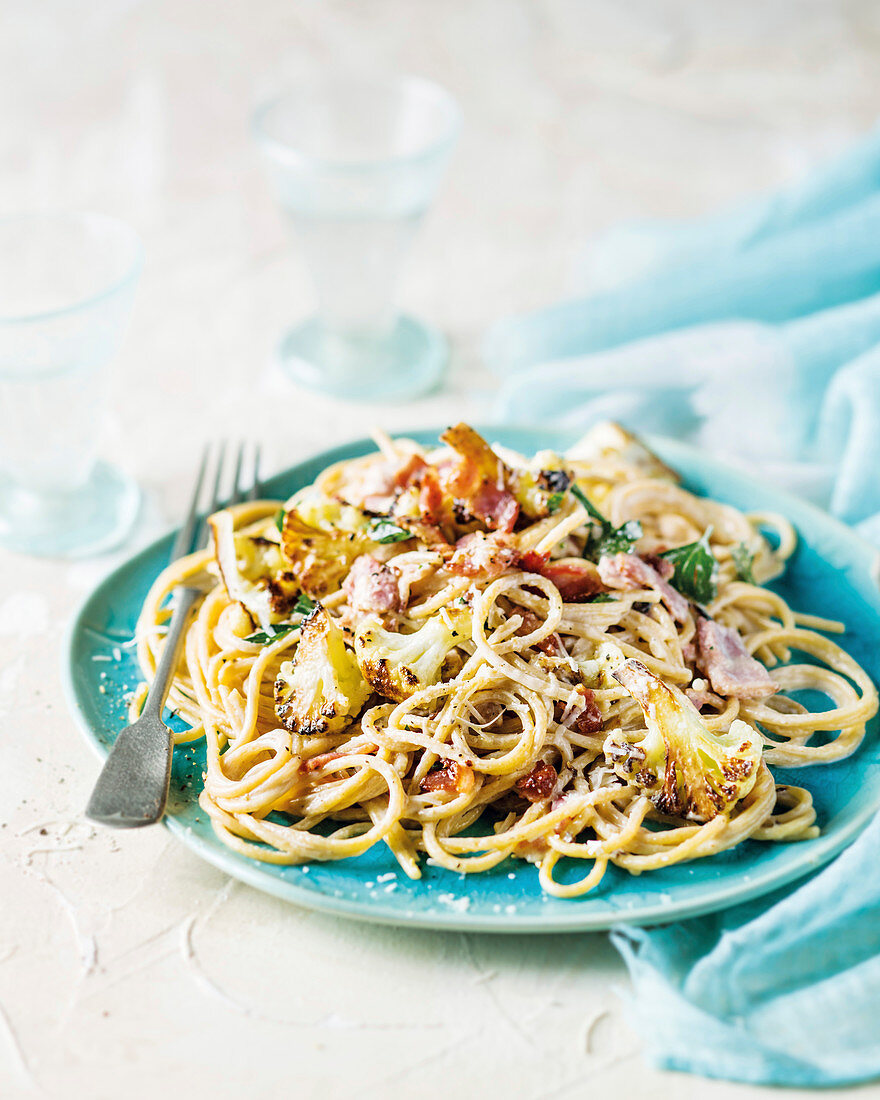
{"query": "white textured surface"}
pixel 127 967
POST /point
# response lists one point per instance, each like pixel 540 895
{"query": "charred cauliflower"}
pixel 319 558
pixel 686 770
pixel 321 690
pixel 540 492
pixel 399 665
pixel 253 571
pixel 328 513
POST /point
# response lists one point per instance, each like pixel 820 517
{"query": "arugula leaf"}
pixel 606 538
pixel 554 502
pixel 384 531
pixel 279 520
pixel 743 559
pixel 696 569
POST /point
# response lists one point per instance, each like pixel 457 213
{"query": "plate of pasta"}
pixel 507 680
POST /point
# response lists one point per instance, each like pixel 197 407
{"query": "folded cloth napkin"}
pixel 757 342
pixel 784 990
pixel 756 333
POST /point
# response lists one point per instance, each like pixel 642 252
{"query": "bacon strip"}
pixel 481 555
pixel 576 580
pixel 478 478
pixel 628 571
pixel 586 720
pixel 551 645
pixel 374 487
pixel 731 669
pixel 497 508
pixel 372 586
pixel 539 784
pixel 450 777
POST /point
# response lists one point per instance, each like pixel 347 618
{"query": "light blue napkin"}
pixel 755 333
pixel 820 235
pixel 754 336
pixel 782 991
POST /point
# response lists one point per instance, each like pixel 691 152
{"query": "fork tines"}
pixel 244 484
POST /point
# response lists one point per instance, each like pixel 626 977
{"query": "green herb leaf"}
pixel 743 559
pixel 595 514
pixel 279 520
pixel 554 502
pixel 384 531
pixel 263 637
pixel 696 569
pixel 606 538
pixel 602 597
pixel 620 539
pixel 303 605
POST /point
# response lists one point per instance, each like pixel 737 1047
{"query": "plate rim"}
pixel 718 897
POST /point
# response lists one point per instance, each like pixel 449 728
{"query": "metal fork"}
pixel 132 788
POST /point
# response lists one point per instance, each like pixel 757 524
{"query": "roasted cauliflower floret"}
pixel 254 571
pixel 319 558
pixel 686 770
pixel 399 665
pixel 540 492
pixel 328 513
pixel 321 690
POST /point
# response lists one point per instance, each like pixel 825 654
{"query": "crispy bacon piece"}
pixel 372 585
pixel 409 472
pixel 539 784
pixel 433 504
pixel 422 506
pixel 662 566
pixel 532 561
pixel 450 777
pixel 576 580
pixel 728 664
pixel 586 720
pixel 481 555
pixel 495 507
pixel 374 488
pixel 627 571
pixel 478 479
pixel 551 645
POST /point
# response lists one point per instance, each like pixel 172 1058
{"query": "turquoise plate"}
pixel 830 574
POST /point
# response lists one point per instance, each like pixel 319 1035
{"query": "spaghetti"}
pixel 472 656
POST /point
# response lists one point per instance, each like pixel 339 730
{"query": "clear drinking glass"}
pixel 355 164
pixel 66 287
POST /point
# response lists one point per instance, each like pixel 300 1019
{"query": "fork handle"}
pixel 184 598
pixel 132 788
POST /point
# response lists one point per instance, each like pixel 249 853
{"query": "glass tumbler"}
pixel 355 163
pixel 67 283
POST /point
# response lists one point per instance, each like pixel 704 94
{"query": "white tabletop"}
pixel 127 966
